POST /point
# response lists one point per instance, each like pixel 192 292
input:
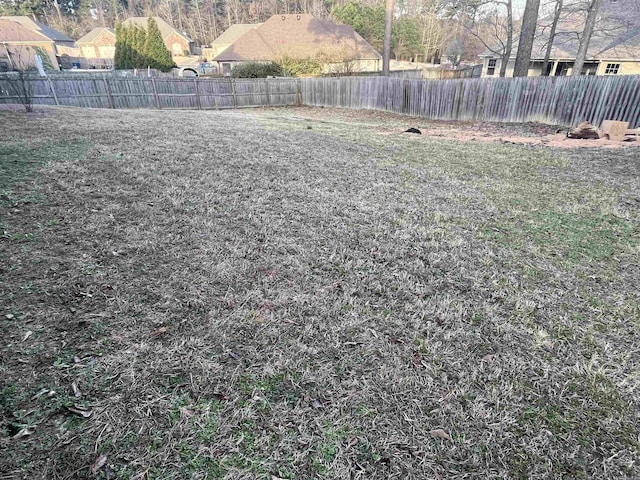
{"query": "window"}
pixel 491 66
pixel 612 69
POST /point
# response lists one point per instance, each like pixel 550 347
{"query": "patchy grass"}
pixel 278 300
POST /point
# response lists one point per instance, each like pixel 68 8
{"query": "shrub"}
pixel 257 70
pixel 301 66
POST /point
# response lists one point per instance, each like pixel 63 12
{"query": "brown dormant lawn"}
pixel 308 294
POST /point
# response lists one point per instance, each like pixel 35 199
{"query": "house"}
pixel 22 38
pixel 98 47
pixel 224 41
pixel 177 43
pixel 610 52
pixel 302 36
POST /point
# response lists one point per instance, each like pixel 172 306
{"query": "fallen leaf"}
pixel 99 462
pixel 439 433
pixel 9 316
pixel 487 358
pixel 27 335
pixel 160 331
pixel 273 477
pixel 76 391
pixel 80 410
pixel 353 441
pixel 235 355
pixel 317 404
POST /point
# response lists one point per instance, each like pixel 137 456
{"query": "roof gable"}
pixel 298 36
pixel 251 47
pixel 11 31
pixel 94 34
pixel 165 28
pixel 233 33
pixel 40 28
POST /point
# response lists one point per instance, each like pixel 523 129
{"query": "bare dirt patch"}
pixel 255 295
pixel 535 134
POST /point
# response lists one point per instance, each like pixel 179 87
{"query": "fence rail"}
pixel 556 100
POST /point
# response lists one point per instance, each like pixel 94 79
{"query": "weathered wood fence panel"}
pixel 162 93
pixel 558 100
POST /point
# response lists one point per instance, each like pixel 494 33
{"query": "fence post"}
pixel 107 88
pixel 53 91
pixel 195 81
pixel 234 100
pixel 266 86
pixel 155 92
pixel 298 93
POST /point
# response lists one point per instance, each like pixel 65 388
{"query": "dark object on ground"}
pixel 584 131
pixel 413 130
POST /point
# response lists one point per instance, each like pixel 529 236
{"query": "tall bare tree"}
pixel 589 25
pixel 387 38
pixel 527 34
pixel 557 11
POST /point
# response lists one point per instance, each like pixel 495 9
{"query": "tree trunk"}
pixel 589 26
pixel 387 38
pixel 508 47
pixel 56 5
pixel 552 37
pixel 527 33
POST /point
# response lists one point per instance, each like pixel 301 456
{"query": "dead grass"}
pixel 237 295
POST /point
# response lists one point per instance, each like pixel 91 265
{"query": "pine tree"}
pixel 127 52
pixel 124 57
pixel 138 45
pixel 155 51
pixel 119 53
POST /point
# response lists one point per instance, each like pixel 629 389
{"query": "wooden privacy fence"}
pixel 192 93
pixel 556 100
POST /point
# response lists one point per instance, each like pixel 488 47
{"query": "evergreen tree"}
pixel 406 41
pixel 127 50
pixel 123 57
pixel 118 55
pixel 155 51
pixel 138 45
pixel 367 21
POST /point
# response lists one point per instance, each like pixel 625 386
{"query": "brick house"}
pixel 302 36
pixel 22 38
pixel 98 47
